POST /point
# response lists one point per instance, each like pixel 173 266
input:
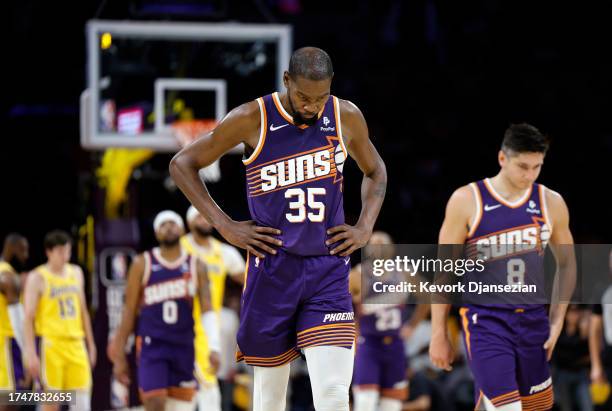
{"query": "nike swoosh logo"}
pixel 491 207
pixel 348 260
pixel 272 128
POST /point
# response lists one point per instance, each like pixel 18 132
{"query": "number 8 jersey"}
pixel 294 176
pixel 166 307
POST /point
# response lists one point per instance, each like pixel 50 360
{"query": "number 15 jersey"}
pixel 294 176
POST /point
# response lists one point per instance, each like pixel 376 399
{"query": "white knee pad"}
pixel 172 404
pixel 82 401
pixel 209 398
pixel 331 371
pixel 270 388
pixel 515 406
pixel 390 404
pixel 365 400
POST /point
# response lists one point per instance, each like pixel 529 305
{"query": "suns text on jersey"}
pixel 511 242
pixel 296 170
pixel 167 290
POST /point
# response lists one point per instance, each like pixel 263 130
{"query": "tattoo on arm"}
pixel 380 189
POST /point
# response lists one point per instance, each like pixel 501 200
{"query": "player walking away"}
pixel 509 345
pixel 160 293
pixel 220 259
pixel 59 345
pixel 12 262
pixel 296 290
pixel 379 381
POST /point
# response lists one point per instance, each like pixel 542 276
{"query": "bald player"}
pixel 296 295
pixel 162 286
pixel 509 343
pixel 221 259
pixel 380 382
pixel 12 262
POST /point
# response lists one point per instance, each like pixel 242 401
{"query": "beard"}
pixel 170 242
pixel 18 265
pixel 202 232
pixel 297 117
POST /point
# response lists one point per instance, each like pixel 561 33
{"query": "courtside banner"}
pixel 486 274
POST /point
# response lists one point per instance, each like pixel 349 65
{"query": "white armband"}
pixel 17 317
pixel 212 328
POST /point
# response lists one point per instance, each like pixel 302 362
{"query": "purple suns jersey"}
pixel 166 310
pixel 381 320
pixel 511 238
pixel 294 176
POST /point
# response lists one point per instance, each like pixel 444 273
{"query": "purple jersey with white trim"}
pixel 294 176
pixel 511 238
pixel 166 310
pixel 382 320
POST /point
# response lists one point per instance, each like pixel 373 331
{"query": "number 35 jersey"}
pixel 166 305
pixel 294 176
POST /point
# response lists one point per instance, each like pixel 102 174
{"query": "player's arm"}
pixel 234 262
pixel 85 318
pixel 454 230
pixel 240 125
pixel 355 283
pixel 9 286
pixel 33 290
pixel 133 290
pixel 561 244
pixel 595 339
pixel 420 313
pixel 209 318
pixel 373 186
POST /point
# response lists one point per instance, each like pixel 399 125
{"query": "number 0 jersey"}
pixel 59 310
pixel 511 238
pixel 294 176
pixel 166 306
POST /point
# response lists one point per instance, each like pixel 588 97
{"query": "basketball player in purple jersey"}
pixel 296 293
pixel 380 382
pixel 508 345
pixel 160 290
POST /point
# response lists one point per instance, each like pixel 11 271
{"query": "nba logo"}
pixel 325 121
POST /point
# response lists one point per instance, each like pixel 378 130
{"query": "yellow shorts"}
pixel 64 364
pixel 11 366
pixel 203 369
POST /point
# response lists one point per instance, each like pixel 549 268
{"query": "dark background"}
pixel 438 82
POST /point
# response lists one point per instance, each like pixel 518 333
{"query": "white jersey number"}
pixel 388 320
pixel 170 312
pixel 316 209
pixel 516 271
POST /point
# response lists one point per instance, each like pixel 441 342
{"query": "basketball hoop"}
pixel 186 132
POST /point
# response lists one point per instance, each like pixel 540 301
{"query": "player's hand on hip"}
pixel 215 361
pixel 121 369
pixel 441 352
pixel 248 235
pixel 352 237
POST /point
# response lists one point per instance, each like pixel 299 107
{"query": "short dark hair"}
pixel 311 63
pixel 55 238
pixel 13 239
pixel 524 138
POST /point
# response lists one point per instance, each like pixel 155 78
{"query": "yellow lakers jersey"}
pixel 6 330
pixel 59 310
pixel 217 272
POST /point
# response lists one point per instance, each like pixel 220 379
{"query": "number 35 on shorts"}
pixel 305 204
